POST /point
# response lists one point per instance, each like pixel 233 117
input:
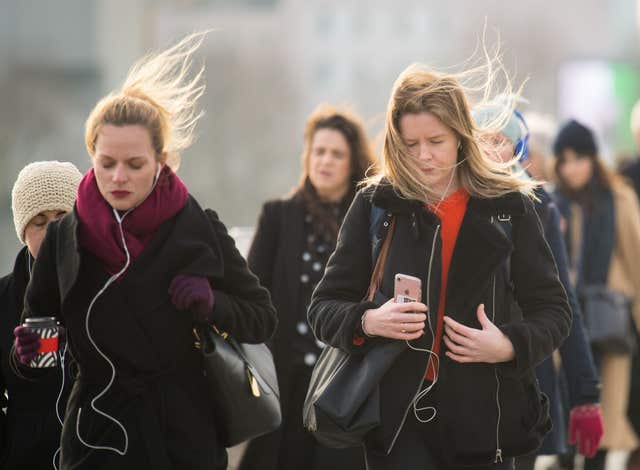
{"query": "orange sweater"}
pixel 451 212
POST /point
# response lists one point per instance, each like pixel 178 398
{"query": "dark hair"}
pixel 580 139
pixel 361 158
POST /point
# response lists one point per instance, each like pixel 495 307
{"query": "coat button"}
pixel 304 278
pixel 310 359
pixel 302 328
pixel 320 344
pixel 317 266
pixel 306 256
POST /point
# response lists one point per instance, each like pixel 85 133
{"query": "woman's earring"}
pixel 459 145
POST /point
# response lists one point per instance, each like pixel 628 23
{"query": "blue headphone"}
pixel 522 146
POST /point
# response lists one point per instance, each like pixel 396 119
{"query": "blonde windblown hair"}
pixel 419 90
pixel 160 94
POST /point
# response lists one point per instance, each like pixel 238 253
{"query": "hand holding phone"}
pixel 402 317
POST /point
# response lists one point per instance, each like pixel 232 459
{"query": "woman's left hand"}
pixel 192 293
pixel 472 345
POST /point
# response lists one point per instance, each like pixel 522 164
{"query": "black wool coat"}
pixel 30 430
pixel 276 258
pixel 158 392
pixel 483 410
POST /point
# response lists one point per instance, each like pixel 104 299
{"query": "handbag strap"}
pixel 378 270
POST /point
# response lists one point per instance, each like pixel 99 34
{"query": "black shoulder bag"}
pixel 243 384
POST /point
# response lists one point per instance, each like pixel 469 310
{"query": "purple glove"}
pixel 26 343
pixel 192 293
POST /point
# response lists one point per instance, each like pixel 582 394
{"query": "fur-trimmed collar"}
pixel 386 196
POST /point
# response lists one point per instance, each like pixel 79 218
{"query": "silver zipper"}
pixel 498 458
pixel 406 411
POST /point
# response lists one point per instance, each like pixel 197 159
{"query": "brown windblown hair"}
pixel 361 156
pixel 419 90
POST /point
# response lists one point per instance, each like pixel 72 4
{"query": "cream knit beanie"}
pixel 43 186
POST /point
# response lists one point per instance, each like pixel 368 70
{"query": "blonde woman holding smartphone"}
pixel 463 394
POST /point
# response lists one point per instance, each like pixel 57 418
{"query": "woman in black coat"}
pixel 293 241
pixel 130 271
pixel 492 307
pixel 30 429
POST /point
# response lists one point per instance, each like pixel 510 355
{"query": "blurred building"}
pixel 269 63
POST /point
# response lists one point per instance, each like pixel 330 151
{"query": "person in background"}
pixel 130 272
pixel 30 433
pixel 585 423
pixel 294 239
pixel 603 240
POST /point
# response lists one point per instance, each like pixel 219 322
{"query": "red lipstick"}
pixel 120 194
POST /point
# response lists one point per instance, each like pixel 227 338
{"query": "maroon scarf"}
pixel 98 229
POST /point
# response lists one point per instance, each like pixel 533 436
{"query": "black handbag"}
pixel 243 384
pixel 343 400
pixel 607 318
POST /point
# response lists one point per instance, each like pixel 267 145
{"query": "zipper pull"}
pixel 498 456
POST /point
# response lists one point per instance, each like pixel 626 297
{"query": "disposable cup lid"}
pixel 41 321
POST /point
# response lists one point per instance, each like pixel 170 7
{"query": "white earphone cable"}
pixel 111 280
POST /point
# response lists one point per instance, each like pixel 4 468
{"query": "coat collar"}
pixel 187 239
pixel 386 196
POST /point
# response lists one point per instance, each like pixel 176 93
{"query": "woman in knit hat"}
pixel 30 431
pixel 603 240
pixel 131 270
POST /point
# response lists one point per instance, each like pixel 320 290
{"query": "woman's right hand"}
pixel 396 321
pixel 26 343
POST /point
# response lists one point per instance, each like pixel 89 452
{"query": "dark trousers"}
pixel 411 452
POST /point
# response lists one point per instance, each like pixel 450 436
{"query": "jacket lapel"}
pixel 480 249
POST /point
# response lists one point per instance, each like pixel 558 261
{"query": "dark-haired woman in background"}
pixel 293 241
pixel 603 239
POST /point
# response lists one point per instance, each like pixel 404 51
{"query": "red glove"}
pixel 26 343
pixel 586 428
pixel 192 293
